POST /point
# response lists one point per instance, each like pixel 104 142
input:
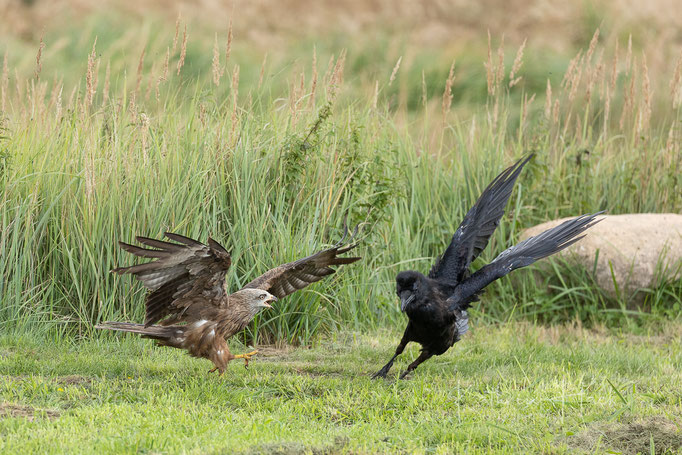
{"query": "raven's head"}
pixel 409 286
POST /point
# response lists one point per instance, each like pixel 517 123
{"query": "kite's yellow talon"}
pixel 246 357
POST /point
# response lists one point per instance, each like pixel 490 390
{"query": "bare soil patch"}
pixel 27 412
pixel 631 438
pixel 73 379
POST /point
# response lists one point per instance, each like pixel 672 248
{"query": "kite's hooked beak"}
pixel 267 303
pixel 406 298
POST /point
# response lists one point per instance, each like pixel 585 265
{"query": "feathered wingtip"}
pixel 160 250
pixel 349 243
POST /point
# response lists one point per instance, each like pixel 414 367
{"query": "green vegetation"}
pixel 122 126
pixel 271 168
pixel 515 388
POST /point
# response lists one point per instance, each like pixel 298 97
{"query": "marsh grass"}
pixel 268 157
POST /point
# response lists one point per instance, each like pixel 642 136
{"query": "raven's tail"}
pixel 524 254
pixel 155 331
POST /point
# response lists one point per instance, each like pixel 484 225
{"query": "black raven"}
pixel 436 305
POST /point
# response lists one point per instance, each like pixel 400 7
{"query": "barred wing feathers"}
pixel 181 275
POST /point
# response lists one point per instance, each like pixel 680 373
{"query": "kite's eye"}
pixel 261 297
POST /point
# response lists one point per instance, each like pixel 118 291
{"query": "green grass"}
pixel 514 388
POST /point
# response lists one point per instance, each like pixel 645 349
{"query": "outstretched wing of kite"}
pixel 183 275
pixel 289 278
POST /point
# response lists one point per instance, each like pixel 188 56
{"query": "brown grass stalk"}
pixel 215 65
pixel 140 67
pixel 447 93
pixel 500 65
pixel 592 46
pixel 395 71
pixel 235 101
pixel 177 33
pixel 4 83
pixel 183 50
pixel 375 97
pixel 548 100
pixel 675 83
pixel 313 83
pixel 646 94
pixel 526 107
pixel 39 64
pixel 490 69
pixel 90 77
pixel 164 74
pixel 262 71
pixel 614 70
pixel 516 66
pixel 628 56
pixel 107 81
pixel 228 45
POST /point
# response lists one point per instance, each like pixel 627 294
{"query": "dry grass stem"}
pixel 628 101
pixel 646 93
pixel 4 83
pixel 215 65
pixel 575 80
pixel 548 100
pixel 500 65
pixel 592 46
pixel 262 71
pixel 447 93
pixel 572 67
pixel 177 33
pixel 614 70
pixel 375 98
pixel 90 76
pixel 395 70
pixel 675 83
pixel 490 69
pixel 107 76
pixel 313 84
pixel 228 46
pixel 183 50
pixel 336 77
pixel 164 74
pixel 628 56
pixel 235 100
pixel 516 66
pixel 140 67
pixel 526 107
pixel 39 64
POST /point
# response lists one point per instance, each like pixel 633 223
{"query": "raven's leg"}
pixel 424 355
pixel 399 350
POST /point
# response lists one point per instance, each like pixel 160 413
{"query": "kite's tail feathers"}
pixel 155 331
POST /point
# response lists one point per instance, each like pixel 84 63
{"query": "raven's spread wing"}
pixel 289 278
pixel 478 225
pixel 185 274
pixel 525 253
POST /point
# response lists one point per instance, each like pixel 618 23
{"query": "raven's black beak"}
pixel 405 299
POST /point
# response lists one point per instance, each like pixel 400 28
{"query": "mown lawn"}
pixel 505 389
